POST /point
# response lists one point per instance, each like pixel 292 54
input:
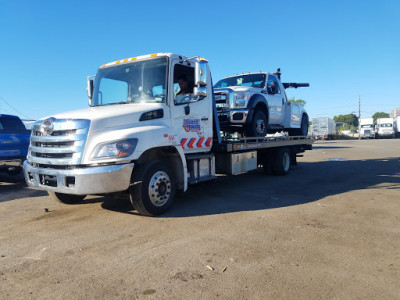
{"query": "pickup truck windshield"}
pixel 137 82
pixel 252 80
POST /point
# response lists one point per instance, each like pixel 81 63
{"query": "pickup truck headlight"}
pixel 241 99
pixel 116 149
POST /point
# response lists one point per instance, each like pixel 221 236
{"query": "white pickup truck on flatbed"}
pixel 143 138
pixel 256 103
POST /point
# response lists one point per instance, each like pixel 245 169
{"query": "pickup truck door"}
pixel 191 118
pixel 276 101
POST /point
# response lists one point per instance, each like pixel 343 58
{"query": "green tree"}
pixel 378 115
pixel 299 101
pixel 350 119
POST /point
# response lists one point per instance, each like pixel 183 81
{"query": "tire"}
pixel 258 126
pixel 303 131
pixel 281 162
pixel 145 194
pixel 14 171
pixel 66 198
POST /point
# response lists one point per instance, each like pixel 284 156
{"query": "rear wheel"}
pixel 258 126
pixel 303 130
pixel 66 198
pixel 281 162
pixel 153 188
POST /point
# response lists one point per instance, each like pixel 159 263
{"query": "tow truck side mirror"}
pixel 200 79
pixel 90 89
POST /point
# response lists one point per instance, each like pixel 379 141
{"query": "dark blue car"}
pixel 14 143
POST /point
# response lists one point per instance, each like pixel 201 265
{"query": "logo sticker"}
pixel 191 125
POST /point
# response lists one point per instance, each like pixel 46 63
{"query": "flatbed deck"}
pixel 228 145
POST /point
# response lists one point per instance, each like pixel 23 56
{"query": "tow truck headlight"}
pixel 240 99
pixel 116 149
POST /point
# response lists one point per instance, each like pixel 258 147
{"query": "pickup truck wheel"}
pixel 303 131
pixel 258 126
pixel 153 188
pixel 66 198
pixel 281 162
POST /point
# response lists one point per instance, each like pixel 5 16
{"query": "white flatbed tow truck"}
pixel 141 137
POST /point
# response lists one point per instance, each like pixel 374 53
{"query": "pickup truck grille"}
pixel 63 144
pixel 222 101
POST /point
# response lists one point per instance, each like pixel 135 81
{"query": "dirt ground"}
pixel 328 230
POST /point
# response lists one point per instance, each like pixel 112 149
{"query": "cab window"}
pixel 183 84
pixel 273 85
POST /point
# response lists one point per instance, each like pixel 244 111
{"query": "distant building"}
pixel 395 112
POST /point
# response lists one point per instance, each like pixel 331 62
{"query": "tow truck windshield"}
pixel 251 80
pixel 136 82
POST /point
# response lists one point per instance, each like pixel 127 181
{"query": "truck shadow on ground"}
pixel 11 187
pixel 330 147
pixel 308 182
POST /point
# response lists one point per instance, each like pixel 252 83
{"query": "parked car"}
pixel 14 143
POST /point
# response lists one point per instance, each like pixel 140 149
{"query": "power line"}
pixel 25 116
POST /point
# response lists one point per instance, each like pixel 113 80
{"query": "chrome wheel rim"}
pixel 159 188
pixel 260 127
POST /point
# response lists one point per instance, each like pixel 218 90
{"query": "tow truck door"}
pixel 191 117
pixel 276 101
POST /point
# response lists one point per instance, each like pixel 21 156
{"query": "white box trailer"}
pixel 323 128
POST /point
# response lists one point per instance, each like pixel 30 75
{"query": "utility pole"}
pixel 359 116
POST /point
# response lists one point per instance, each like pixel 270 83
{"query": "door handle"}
pixel 204 119
pixel 283 101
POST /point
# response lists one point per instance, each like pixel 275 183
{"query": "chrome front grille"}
pixel 63 145
pixel 222 101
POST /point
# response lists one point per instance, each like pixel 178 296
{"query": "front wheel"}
pixel 66 198
pixel 153 188
pixel 258 126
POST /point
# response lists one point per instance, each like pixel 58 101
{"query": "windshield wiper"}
pixel 114 103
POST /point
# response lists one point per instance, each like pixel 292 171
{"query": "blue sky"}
pixel 342 48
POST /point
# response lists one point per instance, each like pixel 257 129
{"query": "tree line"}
pixel 352 119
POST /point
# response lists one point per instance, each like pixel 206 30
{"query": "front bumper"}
pixel 82 181
pixel 386 133
pixel 11 163
pixel 235 117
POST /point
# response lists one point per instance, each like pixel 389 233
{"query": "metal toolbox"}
pixel 235 163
